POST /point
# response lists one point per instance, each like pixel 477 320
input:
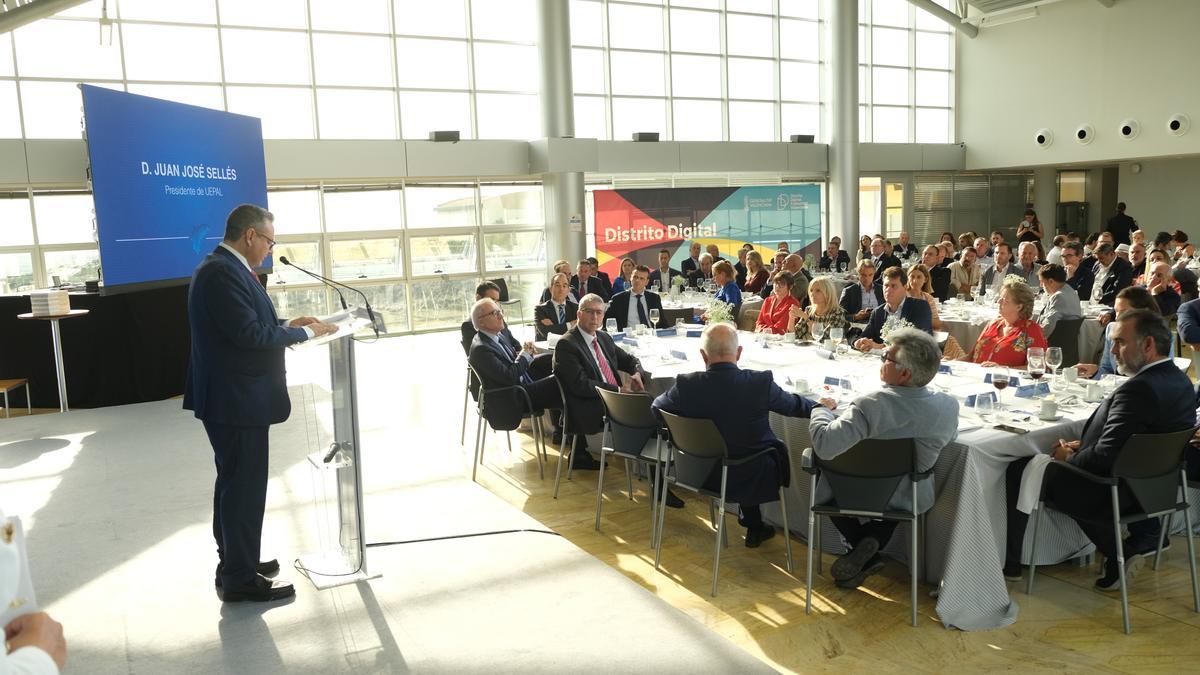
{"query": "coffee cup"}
pixel 1093 394
pixel 1049 410
pixel 1070 374
pixel 800 385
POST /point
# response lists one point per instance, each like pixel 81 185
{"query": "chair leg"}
pixel 1163 523
pixel 1187 522
pixel 477 457
pixel 712 513
pixel 600 487
pixel 720 532
pixel 6 411
pixel 787 532
pixel 538 441
pixel 654 503
pixel 912 563
pixel 466 396
pixel 662 507
pixel 808 583
pixel 1037 519
pixel 571 458
pixel 509 435
pixel 1116 511
pixel 567 438
pixel 629 480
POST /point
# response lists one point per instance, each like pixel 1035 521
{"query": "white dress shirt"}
pixel 869 301
pixel 1098 284
pixel 632 318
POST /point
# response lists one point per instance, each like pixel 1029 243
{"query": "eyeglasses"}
pixel 495 312
pixel 270 241
pixel 591 311
pixel 885 357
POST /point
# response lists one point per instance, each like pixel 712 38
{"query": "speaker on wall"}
pixel 1129 130
pixel 1178 125
pixel 1084 134
pixel 1043 138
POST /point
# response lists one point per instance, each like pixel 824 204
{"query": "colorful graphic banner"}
pixel 637 223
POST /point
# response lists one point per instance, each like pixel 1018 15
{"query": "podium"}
pixel 343 561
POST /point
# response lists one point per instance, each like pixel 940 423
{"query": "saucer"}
pixel 1050 419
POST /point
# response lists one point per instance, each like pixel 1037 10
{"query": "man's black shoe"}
pixel 557 438
pixel 1111 581
pixel 871 567
pixel 1013 572
pixel 268 569
pixel 1144 546
pixel 851 565
pixel 755 536
pixel 261 589
pixel 673 502
pixel 584 461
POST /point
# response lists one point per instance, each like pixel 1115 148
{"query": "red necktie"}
pixel 605 370
pixel 254 276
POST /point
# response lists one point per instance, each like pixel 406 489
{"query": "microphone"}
pixel 334 285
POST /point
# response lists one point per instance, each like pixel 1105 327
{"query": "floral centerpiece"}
pixel 678 282
pixel 892 324
pixel 719 311
pixel 1014 279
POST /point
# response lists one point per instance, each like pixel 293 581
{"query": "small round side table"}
pixel 56 338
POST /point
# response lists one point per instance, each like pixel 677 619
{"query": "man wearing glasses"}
pixel 237 387
pixel 498 365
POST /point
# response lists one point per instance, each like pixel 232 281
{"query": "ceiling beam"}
pixel 947 16
pixel 30 11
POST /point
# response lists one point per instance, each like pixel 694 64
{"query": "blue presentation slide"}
pixel 164 178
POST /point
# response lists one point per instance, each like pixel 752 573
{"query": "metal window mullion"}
pixel 723 46
pixel 395 68
pixel 668 72
pixel 776 49
pixel 608 90
pixel 312 78
pixel 220 58
pixel 473 99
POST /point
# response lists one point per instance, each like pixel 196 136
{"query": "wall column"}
pixel 843 136
pixel 562 193
pixel 1045 201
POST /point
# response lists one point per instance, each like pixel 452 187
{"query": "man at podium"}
pixel 237 387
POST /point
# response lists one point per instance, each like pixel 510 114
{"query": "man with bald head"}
pixel 738 402
pixel 1027 265
pixel 691 263
pixel 1159 285
pixel 794 263
pixel 499 366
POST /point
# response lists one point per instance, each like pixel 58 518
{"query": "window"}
pixel 356 113
pixel 295 211
pixel 443 254
pixel 436 64
pixel 441 303
pixel 70 49
pixel 440 207
pixel 360 211
pixel 389 302
pixel 285 112
pixel 516 205
pixel 171 53
pixel 420 17
pixel 304 254
pixel 16 273
pixel 72 267
pixel 64 219
pixel 16 224
pixel 268 57
pixel 424 111
pixel 366 258
pixel 515 250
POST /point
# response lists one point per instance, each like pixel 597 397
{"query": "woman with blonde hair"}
pixel 823 307
pixel 920 288
pixel 756 273
pixel 1005 341
pixel 625 279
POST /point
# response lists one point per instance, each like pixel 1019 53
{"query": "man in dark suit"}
pixel 1157 398
pixel 1121 225
pixel 605 282
pixel 834 259
pixel 664 274
pixel 881 257
pixel 859 300
pixel 486 289
pixel 739 402
pixel 585 358
pixel 633 306
pixel 739 267
pixel 703 273
pixel 583 282
pixel 896 303
pixel 1111 273
pixel 714 251
pixel 1079 275
pixel 557 314
pixel 939 276
pixel 237 387
pixel 500 366
pixel 692 262
pixel 1159 285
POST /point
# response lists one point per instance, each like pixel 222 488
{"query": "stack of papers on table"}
pixel 50 302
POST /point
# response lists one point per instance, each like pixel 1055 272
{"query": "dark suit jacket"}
pixel 576 369
pixel 1156 400
pixel 827 263
pixel 939 278
pixel 468 335
pixel 697 277
pixel 656 274
pixel 906 253
pixel 605 283
pixel 739 402
pixel 236 373
pixel 618 307
pixel 689 265
pixel 913 310
pixel 1189 322
pixel 1082 281
pixel 1120 275
pixel 503 409
pixel 1168 303
pixel 885 261
pixel 546 310
pixel 851 300
pixel 739 269
pixel 594 285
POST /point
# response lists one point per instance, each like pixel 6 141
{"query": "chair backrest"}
pixel 1066 337
pixel 631 421
pixel 699 447
pixel 865 477
pixel 503 288
pixel 1149 464
pixel 749 319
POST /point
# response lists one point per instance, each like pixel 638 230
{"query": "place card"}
pixel 679 354
pixel 970 402
pixel 832 381
pixel 617 337
pixel 665 332
pixel 694 333
pixel 944 368
pixel 823 353
pixel 1028 390
pixel 1013 380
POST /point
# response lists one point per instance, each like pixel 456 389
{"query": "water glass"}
pixel 818 330
pixel 654 315
pixel 984 406
pixel 610 325
pixel 836 335
pixel 1054 360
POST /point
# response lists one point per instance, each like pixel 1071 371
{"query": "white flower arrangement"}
pixel 719 311
pixel 678 281
pixel 892 324
pixel 1014 279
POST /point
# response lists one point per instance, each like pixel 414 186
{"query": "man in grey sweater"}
pixel 904 408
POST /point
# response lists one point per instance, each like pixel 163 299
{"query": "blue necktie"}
pixel 641 310
pixel 562 314
pixel 525 379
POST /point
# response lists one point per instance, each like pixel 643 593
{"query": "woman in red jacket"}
pixel 1006 339
pixel 773 317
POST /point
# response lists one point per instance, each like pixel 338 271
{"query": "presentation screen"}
pixel 164 178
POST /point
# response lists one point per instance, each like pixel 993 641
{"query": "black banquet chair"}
pixel 631 432
pixel 481 427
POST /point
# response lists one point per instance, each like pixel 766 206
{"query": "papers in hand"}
pixel 349 321
pixel 16 584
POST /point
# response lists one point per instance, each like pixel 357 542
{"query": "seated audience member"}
pixel 966 241
pixel 498 365
pixel 947 249
pixel 585 358
pixel 34 642
pixel 1159 285
pixel 1122 251
pixel 727 288
pixel 783 246
pixel 739 267
pixel 918 287
pixel 904 249
pixel 1137 257
pixel 881 257
pixel 1185 282
pixel 756 273
pixel 632 307
pixel 947 237
pixel 1061 301
pixel 996 237
pixel 703 273
pixel 1143 272
pixel 904 408
pixel 556 315
pixel 864 249
pixel 486 289
pixel 1162 241
pixel 834 259
pixel 1027 263
pixel 992 277
pixel 1079 276
pixel 1182 251
pixel 939 277
pixel 1189 322
pixel 1138 237
pixel 859 300
pixel 777 261
pixel 605 282
pixel 983 253
pixel 664 275
pixel 773 315
pixel 621 283
pixel 1111 275
pixel 714 251
pixel 895 305
pixel 1134 297
pixel 794 263
pixel 584 282
pixel 1157 398
pixel 965 275
pixel 822 307
pixel 1005 340
pixel 691 263
pixel 1054 255
pixel 739 403
pixel 560 267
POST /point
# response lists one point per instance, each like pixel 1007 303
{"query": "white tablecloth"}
pixel 966 528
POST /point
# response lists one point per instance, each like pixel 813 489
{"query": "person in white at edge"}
pixel 34 643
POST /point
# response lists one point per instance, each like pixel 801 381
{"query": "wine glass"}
pixel 654 316
pixel 836 334
pixel 1054 361
pixel 1035 363
pixel 1000 382
pixel 817 329
pixel 984 406
pixel 610 325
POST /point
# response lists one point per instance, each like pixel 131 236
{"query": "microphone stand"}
pixel 334 285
